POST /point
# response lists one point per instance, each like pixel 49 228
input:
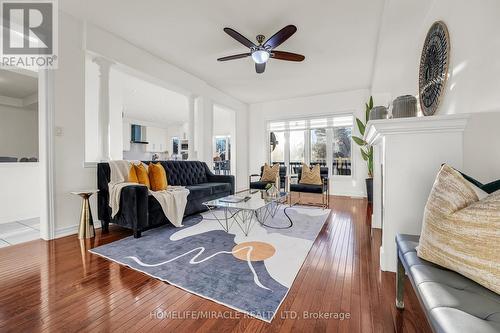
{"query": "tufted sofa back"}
pixel 180 173
pixel 185 173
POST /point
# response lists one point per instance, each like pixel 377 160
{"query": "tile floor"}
pixel 19 232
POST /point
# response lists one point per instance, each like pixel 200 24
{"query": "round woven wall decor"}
pixel 434 64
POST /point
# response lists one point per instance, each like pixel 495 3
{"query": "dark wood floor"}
pixel 58 286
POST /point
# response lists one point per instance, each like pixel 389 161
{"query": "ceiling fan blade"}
pixel 239 37
pixel 278 38
pixel 236 56
pixel 260 68
pixel 281 55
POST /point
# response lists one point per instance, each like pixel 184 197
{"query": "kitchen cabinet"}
pixel 157 139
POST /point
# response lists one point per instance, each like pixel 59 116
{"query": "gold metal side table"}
pixel 86 228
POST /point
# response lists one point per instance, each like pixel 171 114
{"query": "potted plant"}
pixel 366 149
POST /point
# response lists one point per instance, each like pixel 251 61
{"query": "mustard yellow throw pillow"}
pixel 311 176
pixel 132 176
pixel 269 174
pixel 460 231
pixel 142 174
pixel 157 177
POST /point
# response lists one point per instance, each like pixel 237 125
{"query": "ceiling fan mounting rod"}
pixel 260 39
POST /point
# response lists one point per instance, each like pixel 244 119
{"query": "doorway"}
pixel 222 156
pixel 21 194
pixel 224 136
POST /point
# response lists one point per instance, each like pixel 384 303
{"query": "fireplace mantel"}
pixel 376 129
pixel 407 155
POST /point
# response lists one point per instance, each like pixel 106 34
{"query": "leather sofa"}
pixel 451 302
pixel 140 211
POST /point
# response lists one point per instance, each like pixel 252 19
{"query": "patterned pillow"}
pixel 460 231
pixel 269 174
pixel 311 176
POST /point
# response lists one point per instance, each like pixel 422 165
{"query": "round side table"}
pixel 86 228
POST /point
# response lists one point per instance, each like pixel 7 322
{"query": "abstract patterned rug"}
pixel 251 274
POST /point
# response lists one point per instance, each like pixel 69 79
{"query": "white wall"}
pixel 473 85
pixel 327 104
pixel 481 141
pixel 179 131
pixel 91 110
pixel 115 116
pixel 20 194
pixel 18 132
pixel 70 172
pixel 224 121
pixel 242 150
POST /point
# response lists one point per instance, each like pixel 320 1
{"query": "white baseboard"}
pixel 350 194
pixel 72 230
pixel 18 218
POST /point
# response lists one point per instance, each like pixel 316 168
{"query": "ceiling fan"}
pixel 264 50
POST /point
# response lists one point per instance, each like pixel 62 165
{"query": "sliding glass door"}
pixel 297 146
pixel 325 141
pixel 277 147
pixel 318 146
pixel 342 151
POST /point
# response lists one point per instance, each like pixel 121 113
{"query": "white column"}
pixel 104 118
pixel 191 131
pixel 208 140
pixel 204 120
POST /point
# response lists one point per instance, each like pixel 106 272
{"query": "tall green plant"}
pixel 366 149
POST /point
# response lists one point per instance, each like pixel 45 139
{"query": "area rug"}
pixel 251 274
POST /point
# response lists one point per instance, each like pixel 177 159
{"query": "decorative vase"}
pixel 404 107
pixel 369 189
pixel 378 112
pixel 272 191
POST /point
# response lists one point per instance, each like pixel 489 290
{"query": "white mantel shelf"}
pixel 407 154
pixel 375 129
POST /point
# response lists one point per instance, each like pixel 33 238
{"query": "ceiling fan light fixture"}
pixel 264 49
pixel 260 56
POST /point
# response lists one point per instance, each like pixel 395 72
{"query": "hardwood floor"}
pixel 58 286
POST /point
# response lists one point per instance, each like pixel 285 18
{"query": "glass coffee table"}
pixel 247 207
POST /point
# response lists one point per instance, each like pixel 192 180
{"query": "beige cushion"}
pixel 461 232
pixel 311 176
pixel 269 174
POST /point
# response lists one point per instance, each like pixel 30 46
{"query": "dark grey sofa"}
pixel 451 302
pixel 140 211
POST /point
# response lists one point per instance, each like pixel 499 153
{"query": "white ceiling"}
pixel 145 101
pixel 338 38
